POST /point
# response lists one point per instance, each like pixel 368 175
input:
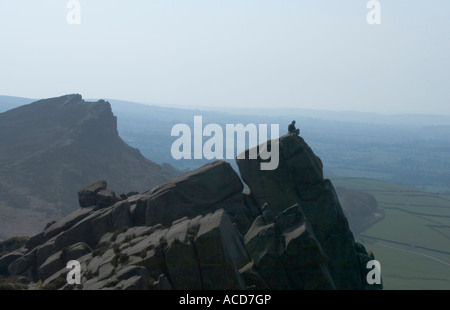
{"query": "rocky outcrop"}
pixel 52 147
pixel 299 180
pixel 199 231
pixel 286 252
pixel 206 189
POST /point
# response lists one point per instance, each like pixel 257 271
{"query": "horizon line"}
pixel 215 108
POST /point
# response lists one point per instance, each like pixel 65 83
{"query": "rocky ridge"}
pixel 50 147
pixel 201 231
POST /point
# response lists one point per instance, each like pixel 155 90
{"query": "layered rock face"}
pixel 200 231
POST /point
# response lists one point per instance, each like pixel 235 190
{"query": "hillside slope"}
pixel 51 148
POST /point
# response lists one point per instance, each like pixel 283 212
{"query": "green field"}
pixel 412 242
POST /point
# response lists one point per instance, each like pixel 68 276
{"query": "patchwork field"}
pixel 412 242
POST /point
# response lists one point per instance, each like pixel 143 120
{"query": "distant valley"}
pixel 412 242
pixel 401 149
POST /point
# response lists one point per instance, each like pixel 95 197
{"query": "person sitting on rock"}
pixel 292 129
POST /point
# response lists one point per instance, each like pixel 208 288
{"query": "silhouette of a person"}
pixel 292 129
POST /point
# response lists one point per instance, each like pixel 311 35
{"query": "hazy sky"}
pixel 237 53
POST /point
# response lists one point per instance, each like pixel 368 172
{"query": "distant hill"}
pixel 51 148
pixel 173 112
pixel 9 102
pixel 412 120
pixel 401 149
pixel 360 208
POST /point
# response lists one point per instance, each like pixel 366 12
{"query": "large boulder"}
pixel 299 180
pixel 67 222
pixel 300 252
pixel 262 242
pixel 286 252
pixel 106 198
pixel 44 251
pixel 24 265
pixel 35 241
pixel 89 230
pixel 121 215
pixel 180 255
pixel 59 260
pixel 209 188
pixel 7 259
pixel 221 252
pixel 297 176
pixel 149 252
pixel 87 196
